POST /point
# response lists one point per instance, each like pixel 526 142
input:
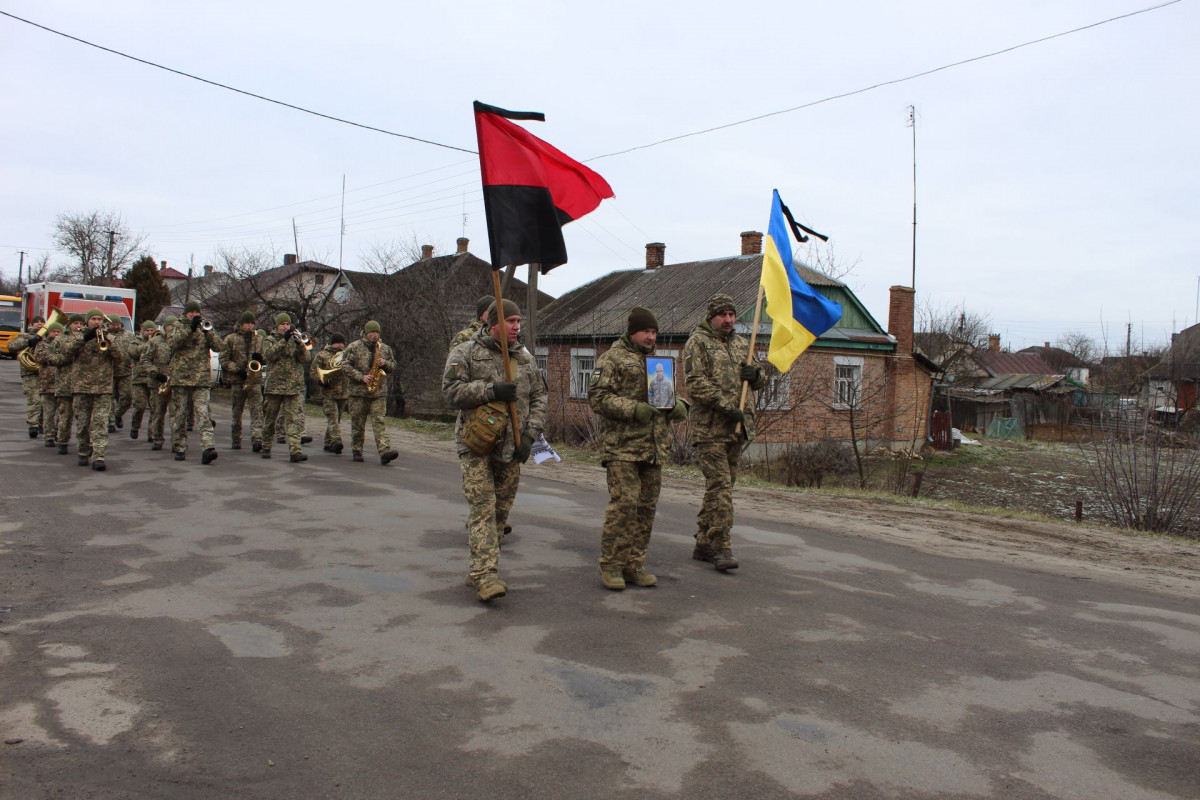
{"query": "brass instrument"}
pixel 335 365
pixel 26 355
pixel 205 325
pixel 376 375
pixel 164 388
pixel 102 339
pixel 253 373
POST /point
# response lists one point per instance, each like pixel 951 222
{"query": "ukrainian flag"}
pixel 797 312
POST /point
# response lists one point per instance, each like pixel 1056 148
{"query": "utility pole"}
pixel 20 269
pixel 1128 339
pixel 912 123
pixel 112 238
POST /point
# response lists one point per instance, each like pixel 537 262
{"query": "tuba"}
pixel 335 365
pixel 26 355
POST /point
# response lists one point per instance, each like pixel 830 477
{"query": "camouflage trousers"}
pixel 122 395
pixel 198 397
pixel 490 488
pixel 158 404
pixel 719 463
pixel 240 398
pixel 334 409
pixel 32 387
pixel 362 410
pixel 50 416
pixel 91 424
pixel 140 400
pixel 66 415
pixel 289 408
pixel 633 488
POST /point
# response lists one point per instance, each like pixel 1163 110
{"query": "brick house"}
pixel 856 375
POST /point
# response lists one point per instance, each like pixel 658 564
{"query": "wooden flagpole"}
pixel 508 376
pixel 750 355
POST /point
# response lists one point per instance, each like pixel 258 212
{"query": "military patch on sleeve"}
pixel 596 372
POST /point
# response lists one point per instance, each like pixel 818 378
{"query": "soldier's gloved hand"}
pixel 195 322
pixel 243 374
pixel 642 412
pixel 158 376
pixel 89 333
pixel 679 412
pixel 749 372
pixel 737 416
pixel 34 339
pixel 506 392
pixel 521 451
pixel 256 357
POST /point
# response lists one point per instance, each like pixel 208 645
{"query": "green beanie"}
pixel 247 317
pixel 95 312
pixel 483 304
pixel 114 319
pixel 54 326
pixel 371 327
pixel 283 317
pixel 191 306
pixel 170 320
pixel 77 318
pixel 260 332
pixel 148 325
pixel 337 338
pixel 510 309
pixel 641 319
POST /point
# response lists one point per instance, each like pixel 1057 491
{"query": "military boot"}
pixel 612 579
pixel 490 588
pixel 723 560
pixel 702 552
pixel 637 576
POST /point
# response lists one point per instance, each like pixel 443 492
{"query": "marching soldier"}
pixel 477 324
pixel 334 391
pixel 122 372
pixel 285 357
pixel 714 365
pixel 47 379
pixel 191 379
pixel 140 378
pixel 237 351
pixel 490 454
pixel 92 382
pixel 156 363
pixel 64 398
pixel 29 377
pixel 635 440
pixel 368 364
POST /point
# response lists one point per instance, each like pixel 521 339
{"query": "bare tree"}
pixel 99 242
pixel 821 257
pixel 946 334
pixel 388 257
pixel 1080 345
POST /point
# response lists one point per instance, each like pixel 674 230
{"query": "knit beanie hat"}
pixel 148 325
pixel 719 303
pixel 337 338
pixel 641 319
pixel 483 304
pixel 170 320
pixel 95 312
pixel 114 319
pixel 247 317
pixel 283 317
pixel 76 318
pixel 54 326
pixel 371 327
pixel 510 309
pixel 191 306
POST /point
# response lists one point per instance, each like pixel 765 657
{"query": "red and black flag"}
pixel 530 190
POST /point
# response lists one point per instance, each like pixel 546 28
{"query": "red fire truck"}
pixel 71 298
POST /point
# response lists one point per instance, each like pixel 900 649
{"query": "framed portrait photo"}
pixel 660 382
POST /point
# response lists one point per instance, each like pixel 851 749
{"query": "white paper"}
pixel 541 451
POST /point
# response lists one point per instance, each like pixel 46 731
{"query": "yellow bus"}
pixel 10 322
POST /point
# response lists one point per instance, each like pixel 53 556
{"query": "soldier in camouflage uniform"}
pixel 156 363
pixel 284 360
pixel 140 379
pixel 477 324
pixel 47 380
pixel 29 377
pixel 91 385
pixel 64 399
pixel 122 371
pixel 635 439
pixel 191 379
pixel 715 367
pixel 360 356
pixel 237 351
pixel 334 391
pixel 474 377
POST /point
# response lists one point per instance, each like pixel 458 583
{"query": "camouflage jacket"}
pixel 92 372
pixel 19 343
pixel 358 364
pixel 126 343
pixel 618 384
pixel 236 350
pixel 191 363
pixel 466 334
pixel 56 354
pixel 47 375
pixel 284 359
pixel 472 368
pixel 712 365
pixel 156 360
pixel 137 346
pixel 337 385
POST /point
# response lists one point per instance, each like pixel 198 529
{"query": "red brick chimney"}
pixel 462 244
pixel 994 342
pixel 162 267
pixel 426 252
pixel 656 255
pixel 289 259
pixel 900 318
pixel 751 243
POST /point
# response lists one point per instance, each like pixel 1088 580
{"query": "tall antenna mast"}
pixel 464 199
pixel 342 238
pixel 295 238
pixel 912 123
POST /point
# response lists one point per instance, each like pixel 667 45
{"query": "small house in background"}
pixel 856 377
pixel 1062 361
pixel 1173 382
pixel 988 385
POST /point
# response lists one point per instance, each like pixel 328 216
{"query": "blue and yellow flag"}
pixel 797 312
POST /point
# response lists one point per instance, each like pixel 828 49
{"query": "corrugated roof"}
pixel 1012 363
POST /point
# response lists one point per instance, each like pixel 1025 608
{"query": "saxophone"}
pixel 376 375
pixel 253 366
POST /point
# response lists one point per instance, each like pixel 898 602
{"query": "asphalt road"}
pixel 262 629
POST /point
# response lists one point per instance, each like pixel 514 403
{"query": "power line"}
pixel 234 89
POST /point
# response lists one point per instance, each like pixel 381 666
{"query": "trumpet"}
pixel 303 338
pixel 335 365
pixel 102 339
pixel 253 373
pixel 205 325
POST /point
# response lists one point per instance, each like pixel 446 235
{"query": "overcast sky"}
pixel 1056 183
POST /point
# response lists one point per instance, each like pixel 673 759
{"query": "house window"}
pixel 583 361
pixel 319 280
pixel 542 356
pixel 777 394
pixel 847 381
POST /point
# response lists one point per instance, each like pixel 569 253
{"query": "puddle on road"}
pixel 250 640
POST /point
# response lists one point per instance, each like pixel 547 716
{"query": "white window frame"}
pixel 854 380
pixel 541 357
pixel 777 394
pixel 583 361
